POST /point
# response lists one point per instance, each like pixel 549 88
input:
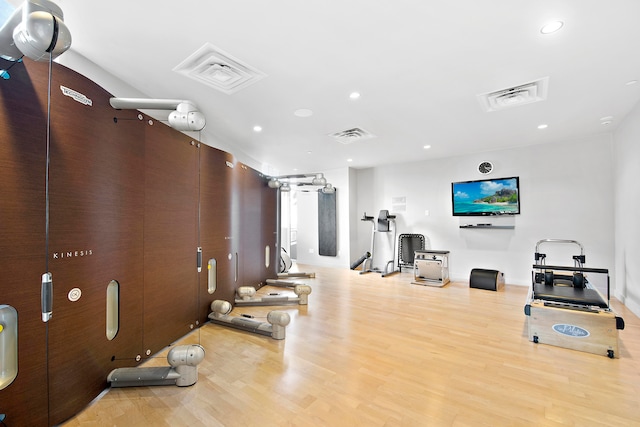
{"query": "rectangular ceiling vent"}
pixel 219 70
pixel 514 96
pixel 352 135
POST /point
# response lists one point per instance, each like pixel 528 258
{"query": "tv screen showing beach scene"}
pixel 500 196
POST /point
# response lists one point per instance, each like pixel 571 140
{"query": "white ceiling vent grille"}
pixel 352 135
pixel 514 96
pixel 218 69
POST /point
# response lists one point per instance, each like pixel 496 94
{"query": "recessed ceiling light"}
pixel 631 82
pixel 257 128
pixel 606 122
pixel 426 147
pixel 349 160
pixel 309 152
pixel 543 126
pixel 551 27
pixel 303 112
pixel 354 95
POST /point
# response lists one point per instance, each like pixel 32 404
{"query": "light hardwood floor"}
pixel 373 351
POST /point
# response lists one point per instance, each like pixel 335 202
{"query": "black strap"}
pixel 54 38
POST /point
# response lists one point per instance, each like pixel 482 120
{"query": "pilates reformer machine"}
pixel 385 224
pixel 569 306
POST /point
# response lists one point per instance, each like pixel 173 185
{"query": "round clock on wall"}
pixel 485 167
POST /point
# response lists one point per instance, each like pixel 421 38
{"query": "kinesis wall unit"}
pixel 130 201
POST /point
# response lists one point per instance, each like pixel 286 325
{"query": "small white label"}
pixel 76 96
pixel 74 294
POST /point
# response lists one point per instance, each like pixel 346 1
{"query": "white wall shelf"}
pixel 504 227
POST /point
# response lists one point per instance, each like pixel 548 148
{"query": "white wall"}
pixel 627 202
pixel 566 192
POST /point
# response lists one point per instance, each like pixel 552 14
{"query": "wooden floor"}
pixel 373 351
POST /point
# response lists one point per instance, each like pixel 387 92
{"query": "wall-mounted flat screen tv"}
pixel 500 196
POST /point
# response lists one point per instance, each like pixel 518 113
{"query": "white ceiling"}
pixel 419 66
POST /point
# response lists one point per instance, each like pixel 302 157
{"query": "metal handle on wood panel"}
pixel 46 297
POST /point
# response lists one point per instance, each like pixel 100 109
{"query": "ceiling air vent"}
pixel 351 135
pixel 218 69
pixel 514 96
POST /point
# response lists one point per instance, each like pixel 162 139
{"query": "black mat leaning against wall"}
pixel 327 227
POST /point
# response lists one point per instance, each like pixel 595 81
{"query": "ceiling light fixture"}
pixel 426 147
pixel 551 27
pixel 354 95
pixel 631 82
pixel 543 126
pixel 303 112
pixel 257 128
pixel 349 160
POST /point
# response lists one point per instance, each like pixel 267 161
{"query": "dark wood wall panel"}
pixel 130 200
pixel 269 227
pixel 96 229
pixel 250 253
pixel 170 237
pixel 216 240
pixel 22 238
pixel 258 217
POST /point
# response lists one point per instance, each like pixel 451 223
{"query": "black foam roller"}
pixel 360 260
